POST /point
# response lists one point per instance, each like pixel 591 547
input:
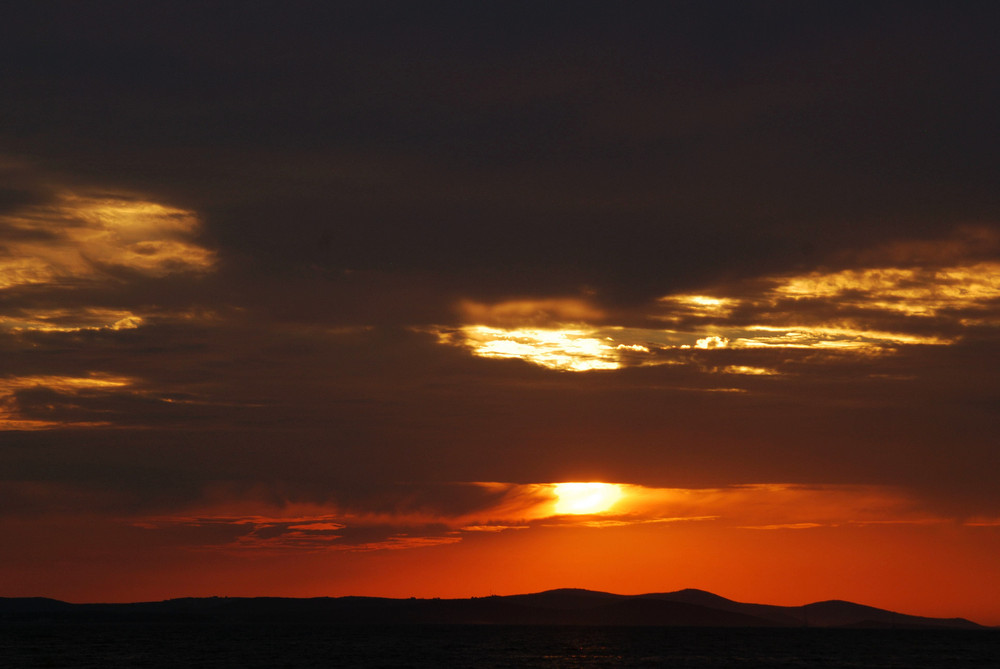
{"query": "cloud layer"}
pixel 280 284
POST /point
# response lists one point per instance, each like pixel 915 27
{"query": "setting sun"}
pixel 580 498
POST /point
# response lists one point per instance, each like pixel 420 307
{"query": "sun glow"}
pixel 585 498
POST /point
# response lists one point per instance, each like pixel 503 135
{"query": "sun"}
pixel 581 498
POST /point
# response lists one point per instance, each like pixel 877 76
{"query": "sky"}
pixel 323 299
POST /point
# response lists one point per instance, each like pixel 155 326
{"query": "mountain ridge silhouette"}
pixel 561 606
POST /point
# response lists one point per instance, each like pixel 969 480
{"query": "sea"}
pixel 271 645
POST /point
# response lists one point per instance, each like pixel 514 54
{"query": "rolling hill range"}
pixel 553 607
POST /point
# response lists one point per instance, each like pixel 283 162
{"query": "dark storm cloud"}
pixel 357 170
pixel 629 150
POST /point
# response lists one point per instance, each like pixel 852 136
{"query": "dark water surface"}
pixel 284 645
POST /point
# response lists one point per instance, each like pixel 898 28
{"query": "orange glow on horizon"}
pixel 766 543
pixel 957 573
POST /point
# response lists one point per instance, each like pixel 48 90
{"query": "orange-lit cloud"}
pixel 318 529
pixel 78 238
pixel 829 338
pixel 559 334
pixel 593 505
pixel 981 521
pixel 555 333
pixel 700 305
pixel 579 498
pixel 747 370
pixel 770 505
pixel 71 320
pixel 44 402
pixel 570 349
pixel 867 311
pixel 911 291
pixel 530 312
pixel 66 268
pixel 12 417
pixel 856 309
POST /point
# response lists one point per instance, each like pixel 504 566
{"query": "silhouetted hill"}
pixel 26 605
pixel 565 598
pixel 836 613
pixel 775 615
pixel 552 607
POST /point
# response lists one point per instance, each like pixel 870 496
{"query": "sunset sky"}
pixel 330 298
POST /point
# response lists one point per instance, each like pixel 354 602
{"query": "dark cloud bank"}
pixel 350 173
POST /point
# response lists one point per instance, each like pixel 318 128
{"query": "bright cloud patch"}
pixel 575 350
pixel 867 311
pixel 77 237
pixel 554 333
pixel 65 268
pixel 911 291
pixel 559 334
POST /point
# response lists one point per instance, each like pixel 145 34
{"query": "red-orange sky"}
pixel 317 299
